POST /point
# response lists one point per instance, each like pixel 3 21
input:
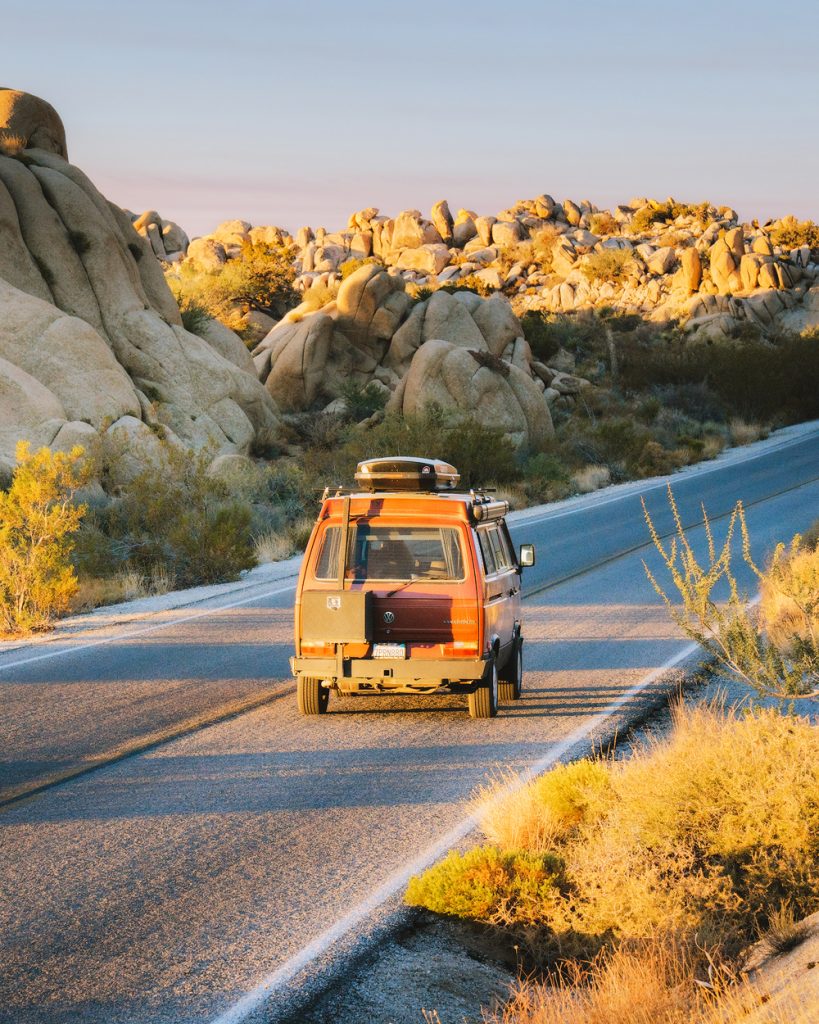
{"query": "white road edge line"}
pixel 523 520
pixel 254 999
pixel 147 629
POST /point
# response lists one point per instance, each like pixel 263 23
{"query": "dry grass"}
pixel 653 985
pixel 276 545
pixel 655 982
pixel 317 296
pixel 130 585
pixel 591 478
pixel 11 145
pixel 746 433
pixel 789 606
pixel 515 496
pixel 702 834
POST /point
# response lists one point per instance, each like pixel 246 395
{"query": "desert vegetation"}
pixel 633 887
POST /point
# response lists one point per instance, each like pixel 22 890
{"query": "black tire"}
pixel 483 701
pixel 313 698
pixel 511 686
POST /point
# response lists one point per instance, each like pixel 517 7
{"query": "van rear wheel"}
pixel 511 687
pixel 483 701
pixel 313 698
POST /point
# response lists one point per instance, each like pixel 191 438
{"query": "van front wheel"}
pixel 312 696
pixel 483 701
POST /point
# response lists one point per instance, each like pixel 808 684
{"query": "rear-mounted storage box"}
pixel 336 616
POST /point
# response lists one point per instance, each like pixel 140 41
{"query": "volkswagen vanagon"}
pixel 409 585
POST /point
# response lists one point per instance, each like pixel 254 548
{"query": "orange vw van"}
pixel 409 585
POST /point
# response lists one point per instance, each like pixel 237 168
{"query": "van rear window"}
pixel 394 553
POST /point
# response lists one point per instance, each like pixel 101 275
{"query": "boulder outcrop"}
pixel 89 330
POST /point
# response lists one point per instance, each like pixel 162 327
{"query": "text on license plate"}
pixel 389 650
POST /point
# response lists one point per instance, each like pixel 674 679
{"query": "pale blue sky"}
pixel 293 113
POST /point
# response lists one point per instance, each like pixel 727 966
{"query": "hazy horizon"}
pixel 301 115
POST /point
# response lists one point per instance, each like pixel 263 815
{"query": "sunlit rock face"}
pixel 90 334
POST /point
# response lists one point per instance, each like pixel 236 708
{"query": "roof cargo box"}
pixel 406 474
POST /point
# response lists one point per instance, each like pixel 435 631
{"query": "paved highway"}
pixel 166 886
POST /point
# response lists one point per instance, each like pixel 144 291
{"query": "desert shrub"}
pixel 470 283
pixel 702 834
pixel 482 454
pixel 725 629
pixel 38 520
pixel 663 212
pixel 604 224
pixel 174 516
pixel 789 606
pixel 353 264
pixel 194 316
pixel 317 296
pixel 609 265
pixel 361 401
pixel 488 885
pixel 538 329
pixel 791 233
pixel 260 277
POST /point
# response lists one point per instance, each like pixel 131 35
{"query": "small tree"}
pixel 38 516
pixel 726 630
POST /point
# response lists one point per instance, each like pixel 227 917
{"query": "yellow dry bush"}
pixel 38 517
pixel 789 590
pixel 704 834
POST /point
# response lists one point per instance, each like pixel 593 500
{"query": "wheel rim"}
pixel 494 685
pixel 519 677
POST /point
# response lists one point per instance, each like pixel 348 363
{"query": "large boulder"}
pixel 411 230
pixel 86 311
pixel 474 383
pixel 370 305
pixel 32 121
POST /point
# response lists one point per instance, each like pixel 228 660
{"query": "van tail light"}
pixel 461 649
pixel 317 649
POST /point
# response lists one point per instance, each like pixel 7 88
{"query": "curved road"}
pixel 167 885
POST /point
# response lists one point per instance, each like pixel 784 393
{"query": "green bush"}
pixel 174 516
pixel 362 401
pixel 194 316
pixel 488 885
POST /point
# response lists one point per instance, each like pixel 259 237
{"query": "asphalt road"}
pixel 167 885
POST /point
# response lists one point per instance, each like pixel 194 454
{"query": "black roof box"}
pixel 406 473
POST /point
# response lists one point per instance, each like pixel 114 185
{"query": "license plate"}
pixel 389 650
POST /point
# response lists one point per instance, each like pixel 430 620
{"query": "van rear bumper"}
pixel 451 669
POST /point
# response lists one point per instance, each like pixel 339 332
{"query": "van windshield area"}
pixel 393 553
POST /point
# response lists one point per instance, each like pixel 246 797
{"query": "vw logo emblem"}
pixel 389 618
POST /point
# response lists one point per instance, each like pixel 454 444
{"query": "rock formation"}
pixel 91 338
pixel 465 353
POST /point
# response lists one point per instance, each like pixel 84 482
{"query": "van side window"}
pixel 508 546
pixel 327 564
pixel 501 557
pixel 486 551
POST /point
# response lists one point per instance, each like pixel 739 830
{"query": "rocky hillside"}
pixel 91 339
pixel 427 309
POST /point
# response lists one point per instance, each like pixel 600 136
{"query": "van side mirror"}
pixel 527 555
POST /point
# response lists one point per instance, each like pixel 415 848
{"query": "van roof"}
pixel 474 506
